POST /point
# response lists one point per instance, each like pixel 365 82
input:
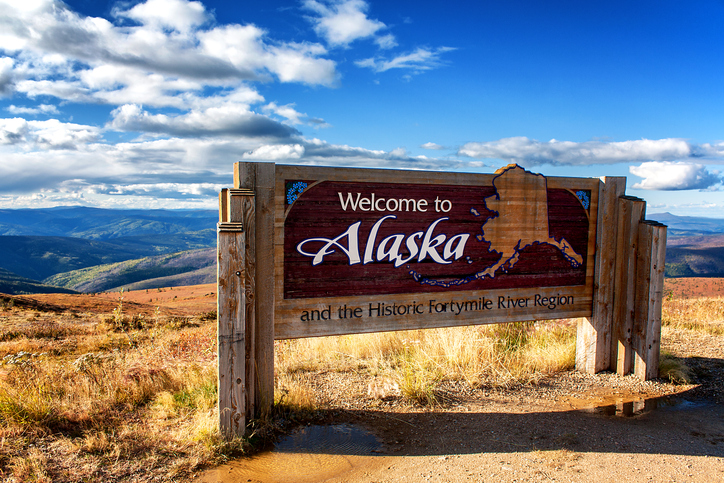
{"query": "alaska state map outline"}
pixel 520 219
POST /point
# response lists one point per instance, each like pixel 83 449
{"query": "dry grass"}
pixel 107 398
pixel 704 314
pixel 417 361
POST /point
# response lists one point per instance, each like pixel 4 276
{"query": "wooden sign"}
pixel 310 251
pixel 373 250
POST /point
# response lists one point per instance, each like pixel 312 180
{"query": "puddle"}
pixel 309 454
pixel 626 404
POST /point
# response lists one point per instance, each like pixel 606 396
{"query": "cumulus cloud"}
pixel 342 22
pixel 50 134
pixel 292 116
pixel 419 60
pixel 275 152
pixel 433 146
pixel 172 38
pixel 529 152
pixel 158 190
pixel 669 175
pixel 40 109
pixel 178 15
pixel 220 120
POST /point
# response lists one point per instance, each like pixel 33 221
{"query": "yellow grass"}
pixel 107 398
pixel 497 355
pixel 704 314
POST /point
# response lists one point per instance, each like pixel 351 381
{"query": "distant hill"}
pixel 39 257
pixel 103 224
pixel 36 244
pixel 695 256
pixel 13 284
pixel 688 225
pixel 170 270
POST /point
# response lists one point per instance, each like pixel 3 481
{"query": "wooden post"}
pixel 231 331
pixel 649 296
pixel 260 178
pixel 630 214
pixel 593 337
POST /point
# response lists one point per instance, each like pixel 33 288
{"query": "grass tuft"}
pixel 673 369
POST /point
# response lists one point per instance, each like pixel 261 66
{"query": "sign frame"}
pixel 516 304
pixel 618 309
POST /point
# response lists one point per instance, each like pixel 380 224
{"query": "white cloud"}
pixel 668 175
pixel 13 131
pixel 298 63
pixel 711 150
pixel 386 41
pixel 179 15
pixel 222 120
pixel 292 116
pixel 529 152
pixel 342 22
pixel 171 39
pixel 160 190
pixel 41 109
pixel 287 111
pixel 276 152
pixel 433 146
pixel 50 134
pixel 421 59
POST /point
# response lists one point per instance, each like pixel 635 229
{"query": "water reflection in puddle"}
pixel 625 404
pixel 309 454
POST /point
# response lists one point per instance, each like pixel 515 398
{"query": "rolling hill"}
pixel 695 256
pixel 39 257
pixel 14 284
pixel 688 225
pixel 36 244
pixel 184 268
pixel 103 224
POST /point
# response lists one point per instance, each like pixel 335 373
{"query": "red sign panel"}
pixel 354 238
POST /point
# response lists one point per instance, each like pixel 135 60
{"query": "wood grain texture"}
pixel 631 213
pixel 259 177
pixel 224 205
pixel 649 297
pixel 247 207
pixel 593 338
pixel 231 332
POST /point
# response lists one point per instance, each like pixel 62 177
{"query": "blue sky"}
pixel 149 104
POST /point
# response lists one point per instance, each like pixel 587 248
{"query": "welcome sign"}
pixel 369 250
pixel 310 251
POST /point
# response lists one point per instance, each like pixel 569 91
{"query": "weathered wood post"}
pixel 593 335
pixel 649 296
pixel 631 213
pixel 232 279
pixel 259 178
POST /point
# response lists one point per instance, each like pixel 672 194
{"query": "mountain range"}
pixel 85 249
pixel 93 249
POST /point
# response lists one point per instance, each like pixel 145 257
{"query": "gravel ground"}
pixel 568 427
